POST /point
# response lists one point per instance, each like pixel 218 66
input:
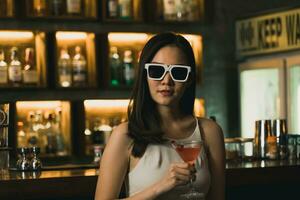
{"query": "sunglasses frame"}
pixel 168 68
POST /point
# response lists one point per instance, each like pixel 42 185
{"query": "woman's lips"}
pixel 165 92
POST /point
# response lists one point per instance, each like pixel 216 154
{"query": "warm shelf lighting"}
pixel 127 37
pixel 39 104
pixel 71 35
pixel 199 109
pixel 191 37
pixel 111 103
pixel 16 35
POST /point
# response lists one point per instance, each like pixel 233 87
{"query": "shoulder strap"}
pixel 203 137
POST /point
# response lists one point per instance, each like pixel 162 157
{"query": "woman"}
pixel 140 153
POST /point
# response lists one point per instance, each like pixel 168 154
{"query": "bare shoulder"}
pixel 211 131
pixel 120 136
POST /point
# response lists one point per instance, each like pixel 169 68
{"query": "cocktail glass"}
pixel 189 151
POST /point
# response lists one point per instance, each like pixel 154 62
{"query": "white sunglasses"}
pixel 157 71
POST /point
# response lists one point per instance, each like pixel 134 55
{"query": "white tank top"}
pixel 155 162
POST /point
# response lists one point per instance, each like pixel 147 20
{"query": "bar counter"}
pixel 244 180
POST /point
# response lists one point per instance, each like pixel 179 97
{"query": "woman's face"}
pixel 167 92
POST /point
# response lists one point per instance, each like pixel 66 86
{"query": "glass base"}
pixel 193 195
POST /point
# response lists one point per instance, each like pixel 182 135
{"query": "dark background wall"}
pixel 220 86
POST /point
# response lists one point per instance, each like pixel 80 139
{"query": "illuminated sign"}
pixel 268 33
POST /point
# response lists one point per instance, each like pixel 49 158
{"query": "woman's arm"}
pixel 114 166
pixel 216 156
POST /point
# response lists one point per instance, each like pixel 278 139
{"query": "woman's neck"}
pixel 168 114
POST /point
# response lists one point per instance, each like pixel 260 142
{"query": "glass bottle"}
pixel 39 7
pixel 112 9
pixel 125 7
pixel 14 68
pixel 192 10
pixel 60 142
pixel 74 7
pixel 115 67
pixel 32 133
pixel 169 10
pixel 128 68
pixel 79 68
pixel 64 69
pixel 97 154
pixel 106 127
pixel 39 127
pixel 21 135
pixel 98 134
pixel 30 75
pixel 57 7
pixel 181 9
pixel 50 132
pixel 88 138
pixel 3 8
pixel 3 69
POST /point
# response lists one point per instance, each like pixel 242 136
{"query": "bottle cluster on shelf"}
pixel 72 70
pixel 122 66
pixel 181 10
pixel 120 9
pixel 111 10
pixel 43 130
pixel 97 132
pixel 18 68
pixel 56 8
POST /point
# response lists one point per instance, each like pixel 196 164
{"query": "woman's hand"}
pixel 178 174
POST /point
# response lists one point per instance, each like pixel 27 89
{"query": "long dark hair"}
pixel 144 125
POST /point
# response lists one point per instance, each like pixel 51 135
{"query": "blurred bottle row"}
pixel 25 59
pixel 42 129
pixel 165 10
pixel 53 127
pixel 47 125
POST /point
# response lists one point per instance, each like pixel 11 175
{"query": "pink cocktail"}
pixel 189 151
pixel 188 154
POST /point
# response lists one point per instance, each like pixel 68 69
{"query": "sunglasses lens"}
pixel 179 73
pixel 155 71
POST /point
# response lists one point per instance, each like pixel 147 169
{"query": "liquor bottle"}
pixel 74 7
pixel 88 138
pixel 181 9
pixel 128 68
pixel 57 7
pixel 3 69
pixel 79 68
pixel 3 8
pixel 169 10
pixel 64 69
pixel 115 67
pixel 30 75
pixel 106 128
pixel 112 9
pixel 125 9
pixel 21 135
pixel 50 132
pixel 39 7
pixel 98 134
pixel 32 133
pixel 192 9
pixel 60 142
pixel 14 68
